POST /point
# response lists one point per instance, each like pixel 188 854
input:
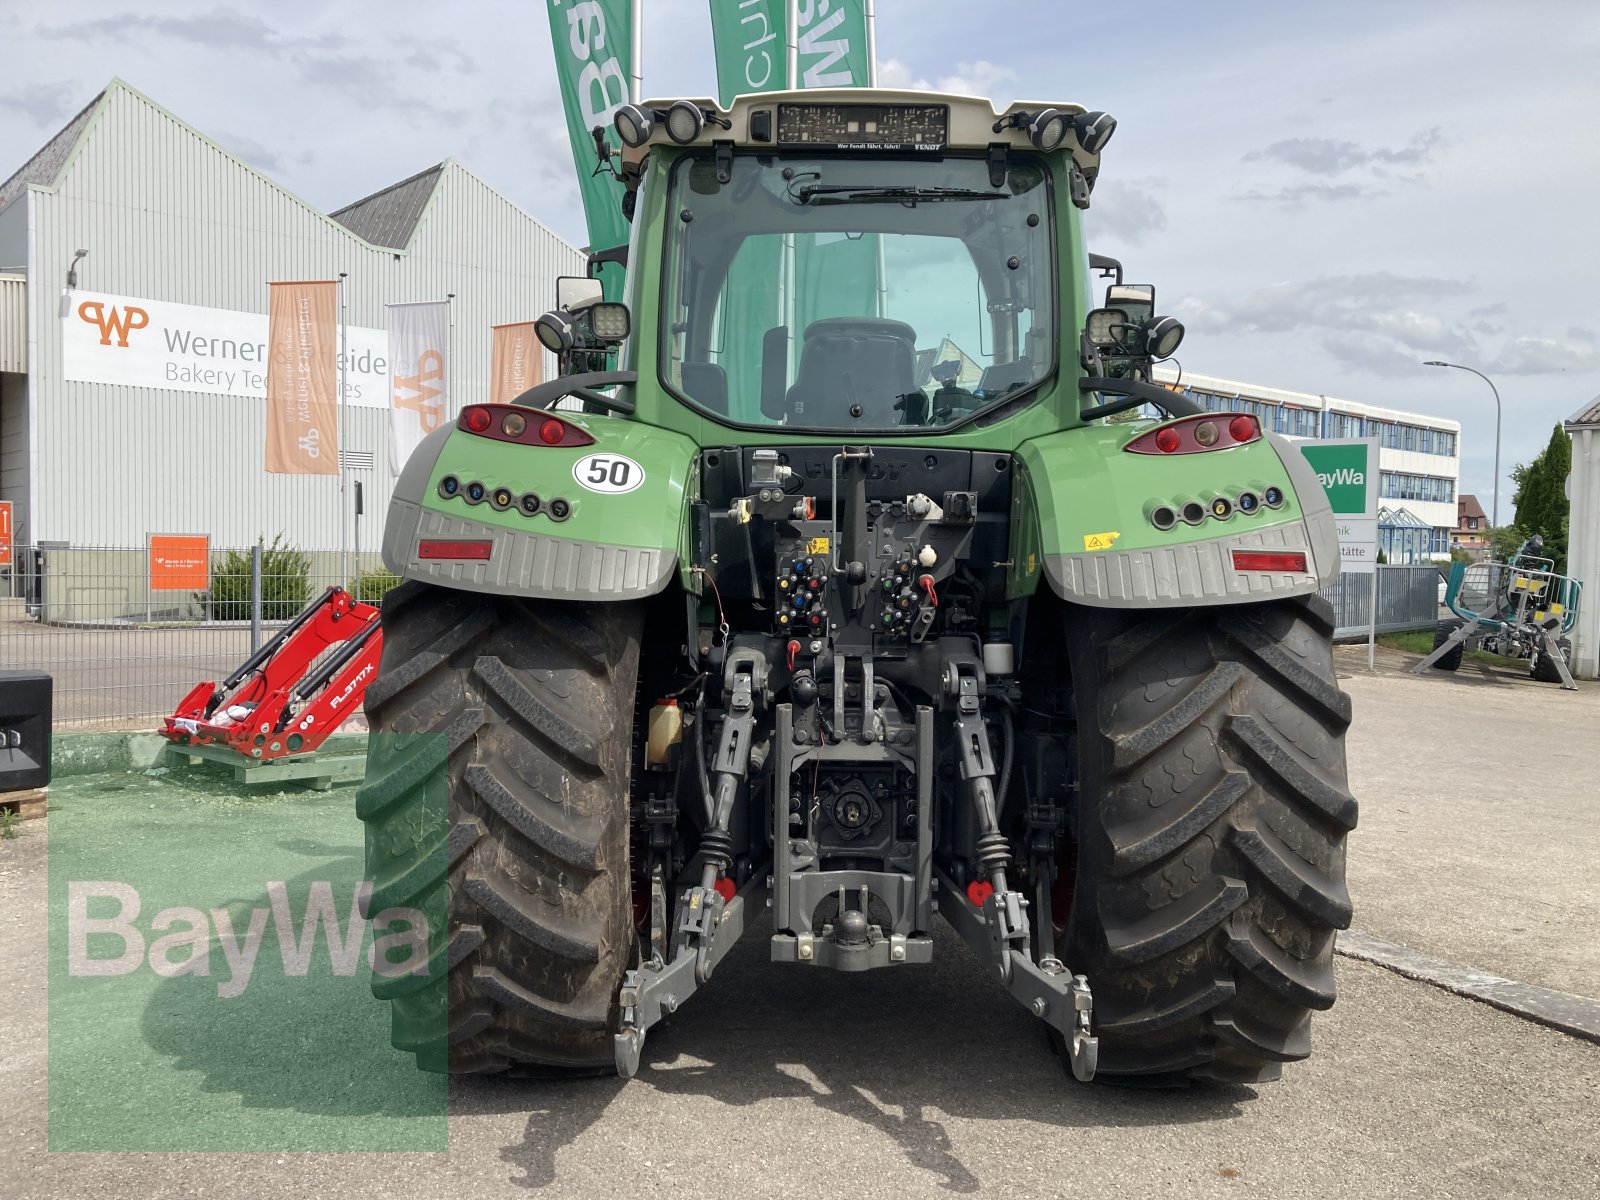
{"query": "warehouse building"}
pixel 1419 457
pixel 1583 534
pixel 135 259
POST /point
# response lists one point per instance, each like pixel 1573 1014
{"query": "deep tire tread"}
pixel 518 713
pixel 1212 818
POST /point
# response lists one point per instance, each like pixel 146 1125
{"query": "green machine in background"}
pixel 861 604
pixel 1518 609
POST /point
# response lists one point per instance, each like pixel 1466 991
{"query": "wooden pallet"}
pixel 28 805
pixel 339 760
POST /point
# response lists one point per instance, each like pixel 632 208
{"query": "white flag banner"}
pixel 418 337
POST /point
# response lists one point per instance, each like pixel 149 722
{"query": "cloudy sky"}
pixel 1326 194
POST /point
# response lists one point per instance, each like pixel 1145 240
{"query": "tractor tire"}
pixel 1541 668
pixel 516 715
pixel 1211 824
pixel 1441 635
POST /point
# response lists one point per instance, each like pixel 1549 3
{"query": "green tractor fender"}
pixel 601 520
pixel 1114 529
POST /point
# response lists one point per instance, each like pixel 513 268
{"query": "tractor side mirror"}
pixel 1123 339
pixel 577 292
pixel 1137 300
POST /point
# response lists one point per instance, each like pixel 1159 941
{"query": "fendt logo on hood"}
pixel 113 321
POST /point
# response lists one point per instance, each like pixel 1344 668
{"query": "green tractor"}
pixel 855 570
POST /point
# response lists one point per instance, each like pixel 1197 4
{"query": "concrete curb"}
pixel 1575 1015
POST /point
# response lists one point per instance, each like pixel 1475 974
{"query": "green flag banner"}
pixel 593 40
pixel 749 40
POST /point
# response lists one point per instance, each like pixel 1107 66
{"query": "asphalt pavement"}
pixel 1476 844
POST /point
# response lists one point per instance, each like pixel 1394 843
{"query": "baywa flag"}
pixel 829 276
pixel 749 40
pixel 592 41
pixel 302 379
pixel 418 338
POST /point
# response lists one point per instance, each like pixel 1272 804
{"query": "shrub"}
pixel 372 586
pixel 284 571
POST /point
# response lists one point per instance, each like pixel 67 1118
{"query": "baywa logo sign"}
pixel 192 939
pixel 235 970
pixel 113 321
pixel 1342 472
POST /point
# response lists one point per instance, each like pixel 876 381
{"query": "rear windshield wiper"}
pixel 851 193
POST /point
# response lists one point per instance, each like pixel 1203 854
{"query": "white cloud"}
pixel 980 78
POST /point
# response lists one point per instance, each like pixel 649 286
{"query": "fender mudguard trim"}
pixel 523 564
pixel 1186 574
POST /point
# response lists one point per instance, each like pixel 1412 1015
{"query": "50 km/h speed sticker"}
pixel 611 473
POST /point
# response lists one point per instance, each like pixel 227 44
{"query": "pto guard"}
pixel 1133 565
pixel 595 555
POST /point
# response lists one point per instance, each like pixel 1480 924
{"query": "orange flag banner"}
pixel 516 361
pixel 303 379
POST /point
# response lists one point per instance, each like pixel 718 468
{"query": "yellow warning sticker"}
pixel 1099 541
pixel 817 545
pixel 1033 562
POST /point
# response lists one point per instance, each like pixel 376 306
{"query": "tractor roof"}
pixel 968 121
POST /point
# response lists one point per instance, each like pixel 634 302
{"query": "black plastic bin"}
pixel 24 730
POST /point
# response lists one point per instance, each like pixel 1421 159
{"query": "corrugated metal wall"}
pixel 166 215
pixel 13 323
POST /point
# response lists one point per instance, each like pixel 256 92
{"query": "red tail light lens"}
pixel 1195 435
pixel 1270 560
pixel 436 548
pixel 507 423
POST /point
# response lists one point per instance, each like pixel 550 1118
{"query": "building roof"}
pixel 44 166
pixel 389 217
pixel 1166 374
pixel 1467 507
pixel 1589 414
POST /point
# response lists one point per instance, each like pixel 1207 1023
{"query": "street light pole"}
pixel 1494 519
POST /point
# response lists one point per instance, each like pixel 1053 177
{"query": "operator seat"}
pixel 847 361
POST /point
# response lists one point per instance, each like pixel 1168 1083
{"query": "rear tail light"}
pixel 1270 560
pixel 507 423
pixel 1192 435
pixel 437 548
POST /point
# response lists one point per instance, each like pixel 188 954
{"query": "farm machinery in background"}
pixel 1517 609
pixel 292 693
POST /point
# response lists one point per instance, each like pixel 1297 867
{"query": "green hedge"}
pixel 284 586
pixel 372 586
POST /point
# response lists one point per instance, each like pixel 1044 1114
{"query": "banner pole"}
pixel 872 50
pixel 791 42
pixel 636 55
pixel 344 353
pixel 872 82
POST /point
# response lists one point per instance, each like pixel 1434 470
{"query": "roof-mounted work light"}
pixel 634 125
pixel 1094 130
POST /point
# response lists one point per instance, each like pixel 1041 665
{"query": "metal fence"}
pixel 124 652
pixel 1408 598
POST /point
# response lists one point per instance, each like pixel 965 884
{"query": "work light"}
pixel 1094 130
pixel 634 125
pixel 684 122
